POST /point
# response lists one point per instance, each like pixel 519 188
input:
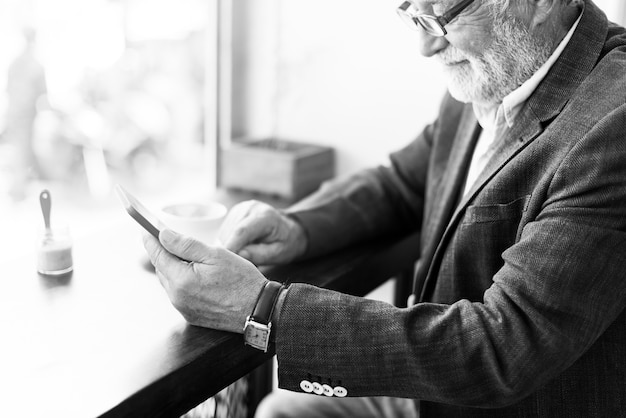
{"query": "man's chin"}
pixel 459 96
pixel 460 83
pixel 464 92
pixel 459 93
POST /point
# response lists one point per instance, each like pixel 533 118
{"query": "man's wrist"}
pixel 258 326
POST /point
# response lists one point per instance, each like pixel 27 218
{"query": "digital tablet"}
pixel 139 212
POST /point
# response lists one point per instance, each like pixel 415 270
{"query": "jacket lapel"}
pixel 506 149
pixel 454 178
pixel 444 202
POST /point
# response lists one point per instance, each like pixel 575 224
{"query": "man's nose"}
pixel 430 45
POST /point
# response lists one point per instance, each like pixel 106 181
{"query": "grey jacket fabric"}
pixel 521 283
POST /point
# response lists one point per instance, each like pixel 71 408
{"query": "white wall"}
pixel 353 77
pixel 336 72
pixel 614 9
pixel 347 74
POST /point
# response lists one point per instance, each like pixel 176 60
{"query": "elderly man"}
pixel 519 191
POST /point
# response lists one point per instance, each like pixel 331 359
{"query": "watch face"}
pixel 257 335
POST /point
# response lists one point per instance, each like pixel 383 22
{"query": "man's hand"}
pixel 262 234
pixel 213 288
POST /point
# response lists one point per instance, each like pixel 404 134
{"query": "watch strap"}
pixel 266 302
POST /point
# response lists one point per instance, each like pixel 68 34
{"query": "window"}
pixel 96 92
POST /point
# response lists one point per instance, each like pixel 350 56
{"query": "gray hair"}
pixel 499 7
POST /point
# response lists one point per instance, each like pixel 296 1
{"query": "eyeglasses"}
pixel 433 25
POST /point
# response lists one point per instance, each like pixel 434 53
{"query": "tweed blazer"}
pixel 521 282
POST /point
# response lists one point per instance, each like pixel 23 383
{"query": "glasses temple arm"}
pixel 452 13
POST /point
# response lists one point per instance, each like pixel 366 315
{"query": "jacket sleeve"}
pixel 561 285
pixel 371 203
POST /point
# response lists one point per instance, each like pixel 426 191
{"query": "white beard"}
pixel 512 58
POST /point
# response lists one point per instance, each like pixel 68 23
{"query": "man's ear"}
pixel 541 11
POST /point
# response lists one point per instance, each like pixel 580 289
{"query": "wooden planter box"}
pixel 290 170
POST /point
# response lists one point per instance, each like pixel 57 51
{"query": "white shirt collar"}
pixel 490 117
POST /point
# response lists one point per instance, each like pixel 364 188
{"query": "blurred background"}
pixel 146 92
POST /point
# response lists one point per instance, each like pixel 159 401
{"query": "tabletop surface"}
pixel 109 318
pixel 105 340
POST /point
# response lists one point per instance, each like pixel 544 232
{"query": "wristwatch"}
pixel 256 331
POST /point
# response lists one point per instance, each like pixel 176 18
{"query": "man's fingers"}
pixel 246 223
pixel 164 261
pixel 248 231
pixel 154 248
pixel 260 253
pixel 235 215
pixel 186 248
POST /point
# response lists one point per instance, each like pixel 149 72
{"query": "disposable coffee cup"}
pixel 201 221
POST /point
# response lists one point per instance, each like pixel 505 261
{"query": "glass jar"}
pixel 54 251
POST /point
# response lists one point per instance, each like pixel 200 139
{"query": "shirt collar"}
pixel 491 117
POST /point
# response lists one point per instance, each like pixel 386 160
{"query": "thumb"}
pixel 184 247
pixel 260 254
pixel 248 231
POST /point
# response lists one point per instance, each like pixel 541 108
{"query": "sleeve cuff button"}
pixel 340 392
pixel 317 388
pixel 306 386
